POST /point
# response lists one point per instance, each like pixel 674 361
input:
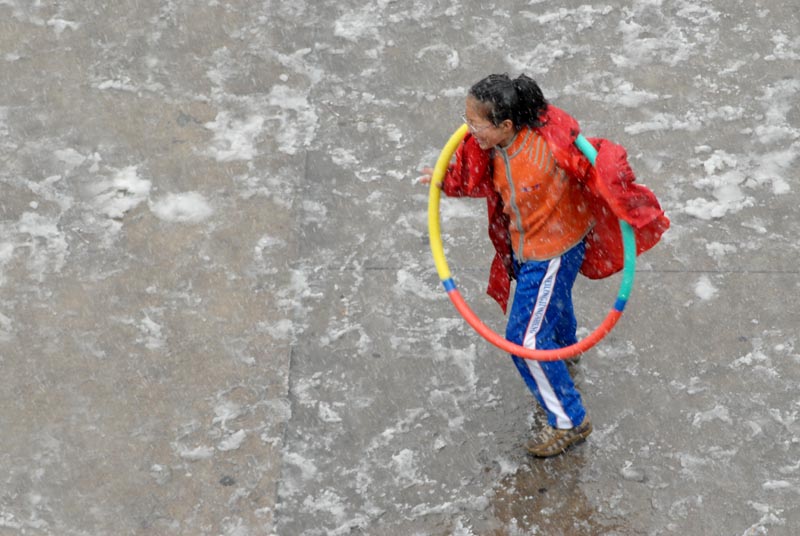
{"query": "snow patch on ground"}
pixel 187 207
pixel 234 139
pixel 705 289
pixel 120 194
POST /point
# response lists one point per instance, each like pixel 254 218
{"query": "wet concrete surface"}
pixel 218 311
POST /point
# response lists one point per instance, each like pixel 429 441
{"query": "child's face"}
pixel 486 134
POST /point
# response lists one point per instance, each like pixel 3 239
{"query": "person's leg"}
pixel 566 333
pixel 567 327
pixel 542 317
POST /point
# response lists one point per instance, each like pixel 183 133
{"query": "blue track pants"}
pixel 542 317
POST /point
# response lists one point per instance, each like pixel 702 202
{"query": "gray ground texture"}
pixel 218 309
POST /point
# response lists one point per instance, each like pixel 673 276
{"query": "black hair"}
pixel 520 100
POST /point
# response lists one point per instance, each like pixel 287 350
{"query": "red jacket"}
pixel 610 184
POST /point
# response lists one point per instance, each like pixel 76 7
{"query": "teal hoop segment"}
pixel 628 237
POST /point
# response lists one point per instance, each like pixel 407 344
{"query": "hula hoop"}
pixel 437 249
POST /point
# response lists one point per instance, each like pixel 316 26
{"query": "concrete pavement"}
pixel 218 311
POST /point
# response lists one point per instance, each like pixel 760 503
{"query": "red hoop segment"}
pixel 529 353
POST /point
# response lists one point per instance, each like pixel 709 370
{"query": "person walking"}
pixel 518 154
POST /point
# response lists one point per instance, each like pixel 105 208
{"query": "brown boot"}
pixel 554 441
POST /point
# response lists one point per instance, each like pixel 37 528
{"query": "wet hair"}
pixel 520 100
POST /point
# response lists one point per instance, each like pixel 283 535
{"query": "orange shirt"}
pixel 548 211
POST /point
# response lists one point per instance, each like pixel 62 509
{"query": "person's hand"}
pixel 425 178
